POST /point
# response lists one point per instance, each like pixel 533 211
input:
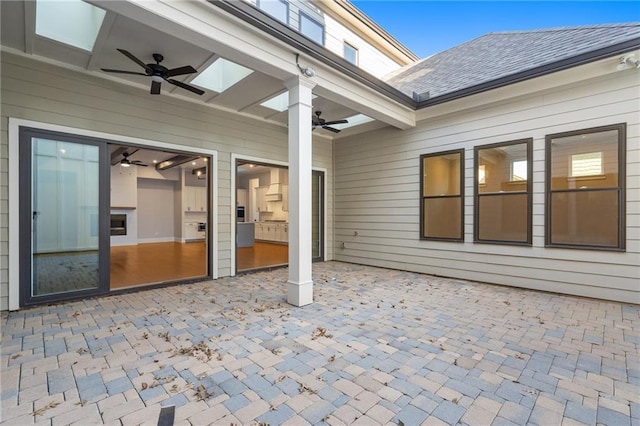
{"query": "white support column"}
pixel 300 284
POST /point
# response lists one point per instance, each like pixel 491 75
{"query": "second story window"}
pixel 312 29
pixel 350 53
pixel 279 9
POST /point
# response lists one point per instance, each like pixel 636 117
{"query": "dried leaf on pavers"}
pixel 16 356
pixel 320 332
pixel 198 351
pixel 81 403
pixel 144 386
pixel 41 411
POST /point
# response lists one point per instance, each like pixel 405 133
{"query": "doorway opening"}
pixel 262 215
pixel 161 198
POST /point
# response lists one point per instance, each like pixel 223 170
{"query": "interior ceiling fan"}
pixel 125 161
pixel 318 121
pixel 158 73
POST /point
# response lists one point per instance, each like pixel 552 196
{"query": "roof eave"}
pixel 581 59
pixel 275 28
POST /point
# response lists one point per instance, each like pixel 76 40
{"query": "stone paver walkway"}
pixel 377 347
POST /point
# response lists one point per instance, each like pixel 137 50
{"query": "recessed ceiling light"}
pixel 155 161
pixel 193 163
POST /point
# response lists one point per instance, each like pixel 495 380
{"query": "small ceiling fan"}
pixel 158 73
pixel 318 121
pixel 125 162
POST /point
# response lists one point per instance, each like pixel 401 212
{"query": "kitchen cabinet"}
pixel 285 198
pixel 191 232
pixel 261 199
pixel 272 231
pixel 241 197
pixel 195 199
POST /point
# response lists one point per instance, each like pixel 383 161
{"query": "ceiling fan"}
pixel 158 73
pixel 125 162
pixel 318 121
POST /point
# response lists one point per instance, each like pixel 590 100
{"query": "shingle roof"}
pixel 496 55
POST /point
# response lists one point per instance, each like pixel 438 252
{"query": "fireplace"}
pixel 118 224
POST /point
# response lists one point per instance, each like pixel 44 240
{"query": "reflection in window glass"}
pixel 519 170
pixel 442 195
pixel 584 188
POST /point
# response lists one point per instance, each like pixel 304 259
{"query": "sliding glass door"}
pixel 63 225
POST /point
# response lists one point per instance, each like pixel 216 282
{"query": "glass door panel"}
pixel 62 187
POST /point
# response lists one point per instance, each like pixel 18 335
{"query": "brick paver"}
pixel 378 346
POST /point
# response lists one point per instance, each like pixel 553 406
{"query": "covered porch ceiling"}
pixel 203 36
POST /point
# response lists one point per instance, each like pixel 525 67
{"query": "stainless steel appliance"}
pixel 240 214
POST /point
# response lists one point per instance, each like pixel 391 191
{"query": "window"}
pixel 221 75
pixel 312 29
pixel 442 195
pixel 503 193
pixel 350 53
pixel 585 188
pixel 279 9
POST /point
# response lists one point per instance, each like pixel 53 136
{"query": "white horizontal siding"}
pixel 378 193
pixel 36 91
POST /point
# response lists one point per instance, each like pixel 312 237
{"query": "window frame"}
pixel 423 237
pixel 286 4
pixel 621 187
pixel 346 44
pixel 528 192
pixel 304 15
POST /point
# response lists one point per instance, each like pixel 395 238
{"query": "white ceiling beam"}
pixel 101 39
pixel 209 27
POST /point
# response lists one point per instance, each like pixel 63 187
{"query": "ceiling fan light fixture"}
pixel 125 163
pixel 157 78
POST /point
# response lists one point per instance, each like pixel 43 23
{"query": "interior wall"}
pixel 377 196
pixel 42 92
pixel 156 212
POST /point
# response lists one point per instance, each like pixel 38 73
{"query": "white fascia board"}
pixel 525 88
pixel 207 26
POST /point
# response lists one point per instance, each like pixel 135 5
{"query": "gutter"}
pixel 269 25
pixel 563 64
pixel 277 29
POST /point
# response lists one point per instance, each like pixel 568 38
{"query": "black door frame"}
pixel 26 134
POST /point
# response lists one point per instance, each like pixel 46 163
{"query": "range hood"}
pixel 274 192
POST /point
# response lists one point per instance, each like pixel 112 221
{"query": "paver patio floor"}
pixel 378 346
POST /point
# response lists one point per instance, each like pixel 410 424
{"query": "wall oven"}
pixel 240 214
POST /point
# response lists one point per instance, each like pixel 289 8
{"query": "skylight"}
pixel 221 75
pixel 279 103
pixel 71 22
pixel 354 120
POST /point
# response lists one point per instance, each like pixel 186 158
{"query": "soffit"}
pixel 141 28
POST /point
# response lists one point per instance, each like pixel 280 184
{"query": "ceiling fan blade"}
pixel 155 87
pixel 186 86
pixel 181 71
pixel 139 163
pixel 136 60
pixel 331 129
pixel 123 72
pixel 330 123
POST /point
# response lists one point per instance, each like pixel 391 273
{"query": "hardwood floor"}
pixel 156 262
pixel 144 264
pixel 262 255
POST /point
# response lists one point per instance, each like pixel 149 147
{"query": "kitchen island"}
pixel 245 234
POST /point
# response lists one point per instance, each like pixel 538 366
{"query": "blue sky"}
pixel 429 27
